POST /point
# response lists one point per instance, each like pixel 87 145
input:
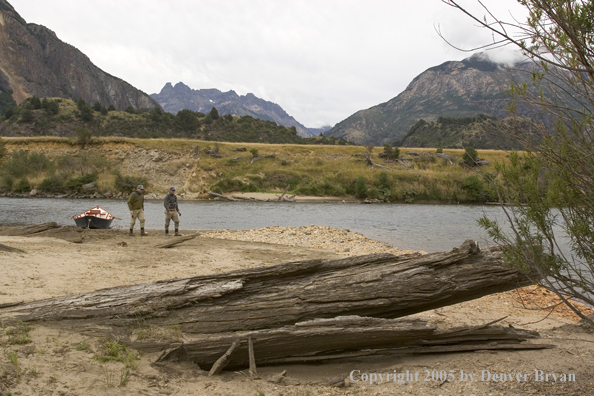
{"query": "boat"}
pixel 94 218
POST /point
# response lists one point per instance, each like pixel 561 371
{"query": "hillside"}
pixel 175 98
pixel 63 117
pixel 479 132
pixel 35 62
pixel 453 89
pixel 111 167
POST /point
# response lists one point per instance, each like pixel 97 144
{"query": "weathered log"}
pixel 68 233
pixel 177 241
pixel 284 192
pixel 33 229
pixel 220 196
pixel 377 285
pixel 10 249
pixel 328 339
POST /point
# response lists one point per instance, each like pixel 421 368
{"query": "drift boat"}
pixel 94 218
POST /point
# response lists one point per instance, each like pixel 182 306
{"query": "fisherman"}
pixel 136 206
pixel 171 211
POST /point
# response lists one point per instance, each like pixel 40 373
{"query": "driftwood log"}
pixel 49 229
pixel 377 285
pixel 176 241
pixel 339 338
pixel 220 196
pixel 300 311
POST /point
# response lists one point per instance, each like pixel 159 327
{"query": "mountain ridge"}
pixel 174 98
pixel 35 62
pixel 464 88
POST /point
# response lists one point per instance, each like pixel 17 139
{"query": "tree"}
pixel 84 136
pixel 470 156
pixel 214 113
pixel 550 185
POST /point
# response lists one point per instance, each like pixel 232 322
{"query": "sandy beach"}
pixel 59 362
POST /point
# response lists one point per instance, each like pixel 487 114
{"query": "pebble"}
pixel 344 242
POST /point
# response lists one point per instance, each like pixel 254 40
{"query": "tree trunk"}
pixel 330 339
pixel 377 285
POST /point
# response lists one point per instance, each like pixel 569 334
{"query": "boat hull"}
pixel 93 222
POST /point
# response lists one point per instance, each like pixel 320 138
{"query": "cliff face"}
pixel 34 62
pixel 178 97
pixel 453 89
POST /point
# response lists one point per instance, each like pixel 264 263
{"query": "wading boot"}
pixel 142 233
pixel 177 233
pixel 166 231
pixel 131 232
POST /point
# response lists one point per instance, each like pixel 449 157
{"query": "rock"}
pixel 33 192
pixel 89 187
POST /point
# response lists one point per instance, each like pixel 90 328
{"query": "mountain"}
pixel 453 89
pixel 178 97
pixel 35 62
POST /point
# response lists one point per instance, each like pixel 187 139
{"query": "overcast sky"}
pixel 320 60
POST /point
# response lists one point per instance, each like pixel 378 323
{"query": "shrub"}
pixel 84 136
pixel 127 184
pixel 361 187
pixel 475 188
pixel 470 156
pixel 76 183
pixel 53 184
pixel 23 186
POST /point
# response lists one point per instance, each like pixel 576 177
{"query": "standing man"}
pixel 136 206
pixel 171 211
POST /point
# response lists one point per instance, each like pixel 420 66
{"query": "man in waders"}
pixel 136 206
pixel 171 211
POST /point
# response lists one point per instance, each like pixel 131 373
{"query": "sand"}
pixel 58 362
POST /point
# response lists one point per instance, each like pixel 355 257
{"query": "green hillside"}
pixel 480 132
pixel 65 118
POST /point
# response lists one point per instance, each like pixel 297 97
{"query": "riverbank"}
pixel 111 167
pixel 61 362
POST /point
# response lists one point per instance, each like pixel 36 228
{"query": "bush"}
pixel 19 165
pixel 75 184
pixel 127 184
pixel 361 187
pixel 470 156
pixel 84 136
pixel 475 188
pixel 23 186
pixel 52 184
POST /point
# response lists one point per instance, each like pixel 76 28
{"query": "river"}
pixel 406 226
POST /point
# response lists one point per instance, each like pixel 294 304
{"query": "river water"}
pixel 418 227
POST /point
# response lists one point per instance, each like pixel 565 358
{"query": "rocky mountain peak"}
pixel 35 62
pixel 174 99
pixel 464 88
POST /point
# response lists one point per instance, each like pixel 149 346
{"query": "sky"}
pixel 320 60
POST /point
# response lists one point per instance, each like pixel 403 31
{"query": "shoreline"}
pixel 62 362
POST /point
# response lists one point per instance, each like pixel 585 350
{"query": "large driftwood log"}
pixel 339 338
pixel 220 196
pixel 177 241
pixel 378 285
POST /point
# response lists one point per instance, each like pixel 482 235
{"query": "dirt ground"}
pixel 47 361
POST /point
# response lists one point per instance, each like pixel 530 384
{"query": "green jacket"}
pixel 136 201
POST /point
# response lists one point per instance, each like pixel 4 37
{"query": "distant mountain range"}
pixel 35 62
pixel 453 89
pixel 175 98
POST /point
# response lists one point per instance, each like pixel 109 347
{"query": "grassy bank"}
pixel 61 166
